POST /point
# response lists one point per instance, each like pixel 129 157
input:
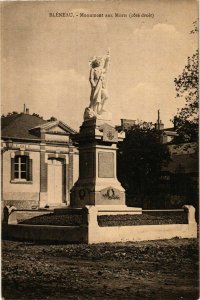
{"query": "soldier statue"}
pixel 98 81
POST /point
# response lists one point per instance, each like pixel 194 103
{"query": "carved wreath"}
pixel 111 194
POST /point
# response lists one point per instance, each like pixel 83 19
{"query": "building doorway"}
pixel 55 182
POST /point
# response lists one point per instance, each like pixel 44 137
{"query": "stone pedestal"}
pixel 97 183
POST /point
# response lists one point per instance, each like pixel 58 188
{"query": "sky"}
pixel 45 60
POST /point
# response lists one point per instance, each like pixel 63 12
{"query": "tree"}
pixel 141 157
pixel 52 119
pixel 186 84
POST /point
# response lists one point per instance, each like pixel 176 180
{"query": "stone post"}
pixel 191 213
pixel 10 215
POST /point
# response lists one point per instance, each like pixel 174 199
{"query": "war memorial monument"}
pixel 97 192
pixel 97 143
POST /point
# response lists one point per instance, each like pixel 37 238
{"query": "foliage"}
pixel 186 120
pixel 10 114
pixel 52 119
pixel 37 115
pixel 141 157
pixel 17 113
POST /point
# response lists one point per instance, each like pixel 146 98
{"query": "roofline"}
pixel 73 130
pixel 173 133
pixel 45 125
pixel 50 124
pixel 16 138
pixel 33 140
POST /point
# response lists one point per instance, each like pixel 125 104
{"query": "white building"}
pixel 39 163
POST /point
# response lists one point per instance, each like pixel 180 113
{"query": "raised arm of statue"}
pixel 107 59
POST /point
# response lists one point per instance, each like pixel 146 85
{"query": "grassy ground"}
pixel 111 220
pixel 140 270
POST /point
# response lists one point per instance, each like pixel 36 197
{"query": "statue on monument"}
pixel 98 81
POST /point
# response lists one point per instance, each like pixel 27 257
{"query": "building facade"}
pixel 39 164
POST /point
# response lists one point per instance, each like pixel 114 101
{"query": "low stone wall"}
pixel 90 232
pixel 97 234
pixel 140 233
pixel 70 234
pixel 11 215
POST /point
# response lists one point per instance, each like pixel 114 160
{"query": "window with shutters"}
pixel 21 168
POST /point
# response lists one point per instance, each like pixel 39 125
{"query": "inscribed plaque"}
pixel 106 164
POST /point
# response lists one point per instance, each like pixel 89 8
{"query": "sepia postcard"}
pixel 99 149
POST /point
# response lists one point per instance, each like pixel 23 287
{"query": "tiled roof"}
pixel 21 126
pixel 18 125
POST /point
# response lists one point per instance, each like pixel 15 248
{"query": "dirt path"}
pixel 143 270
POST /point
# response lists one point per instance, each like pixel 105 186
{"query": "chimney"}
pixel 24 108
pixel 159 116
pixel 159 125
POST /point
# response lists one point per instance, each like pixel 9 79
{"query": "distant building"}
pixel 183 156
pixel 167 134
pixel 126 124
pixel 39 163
pixel 179 179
